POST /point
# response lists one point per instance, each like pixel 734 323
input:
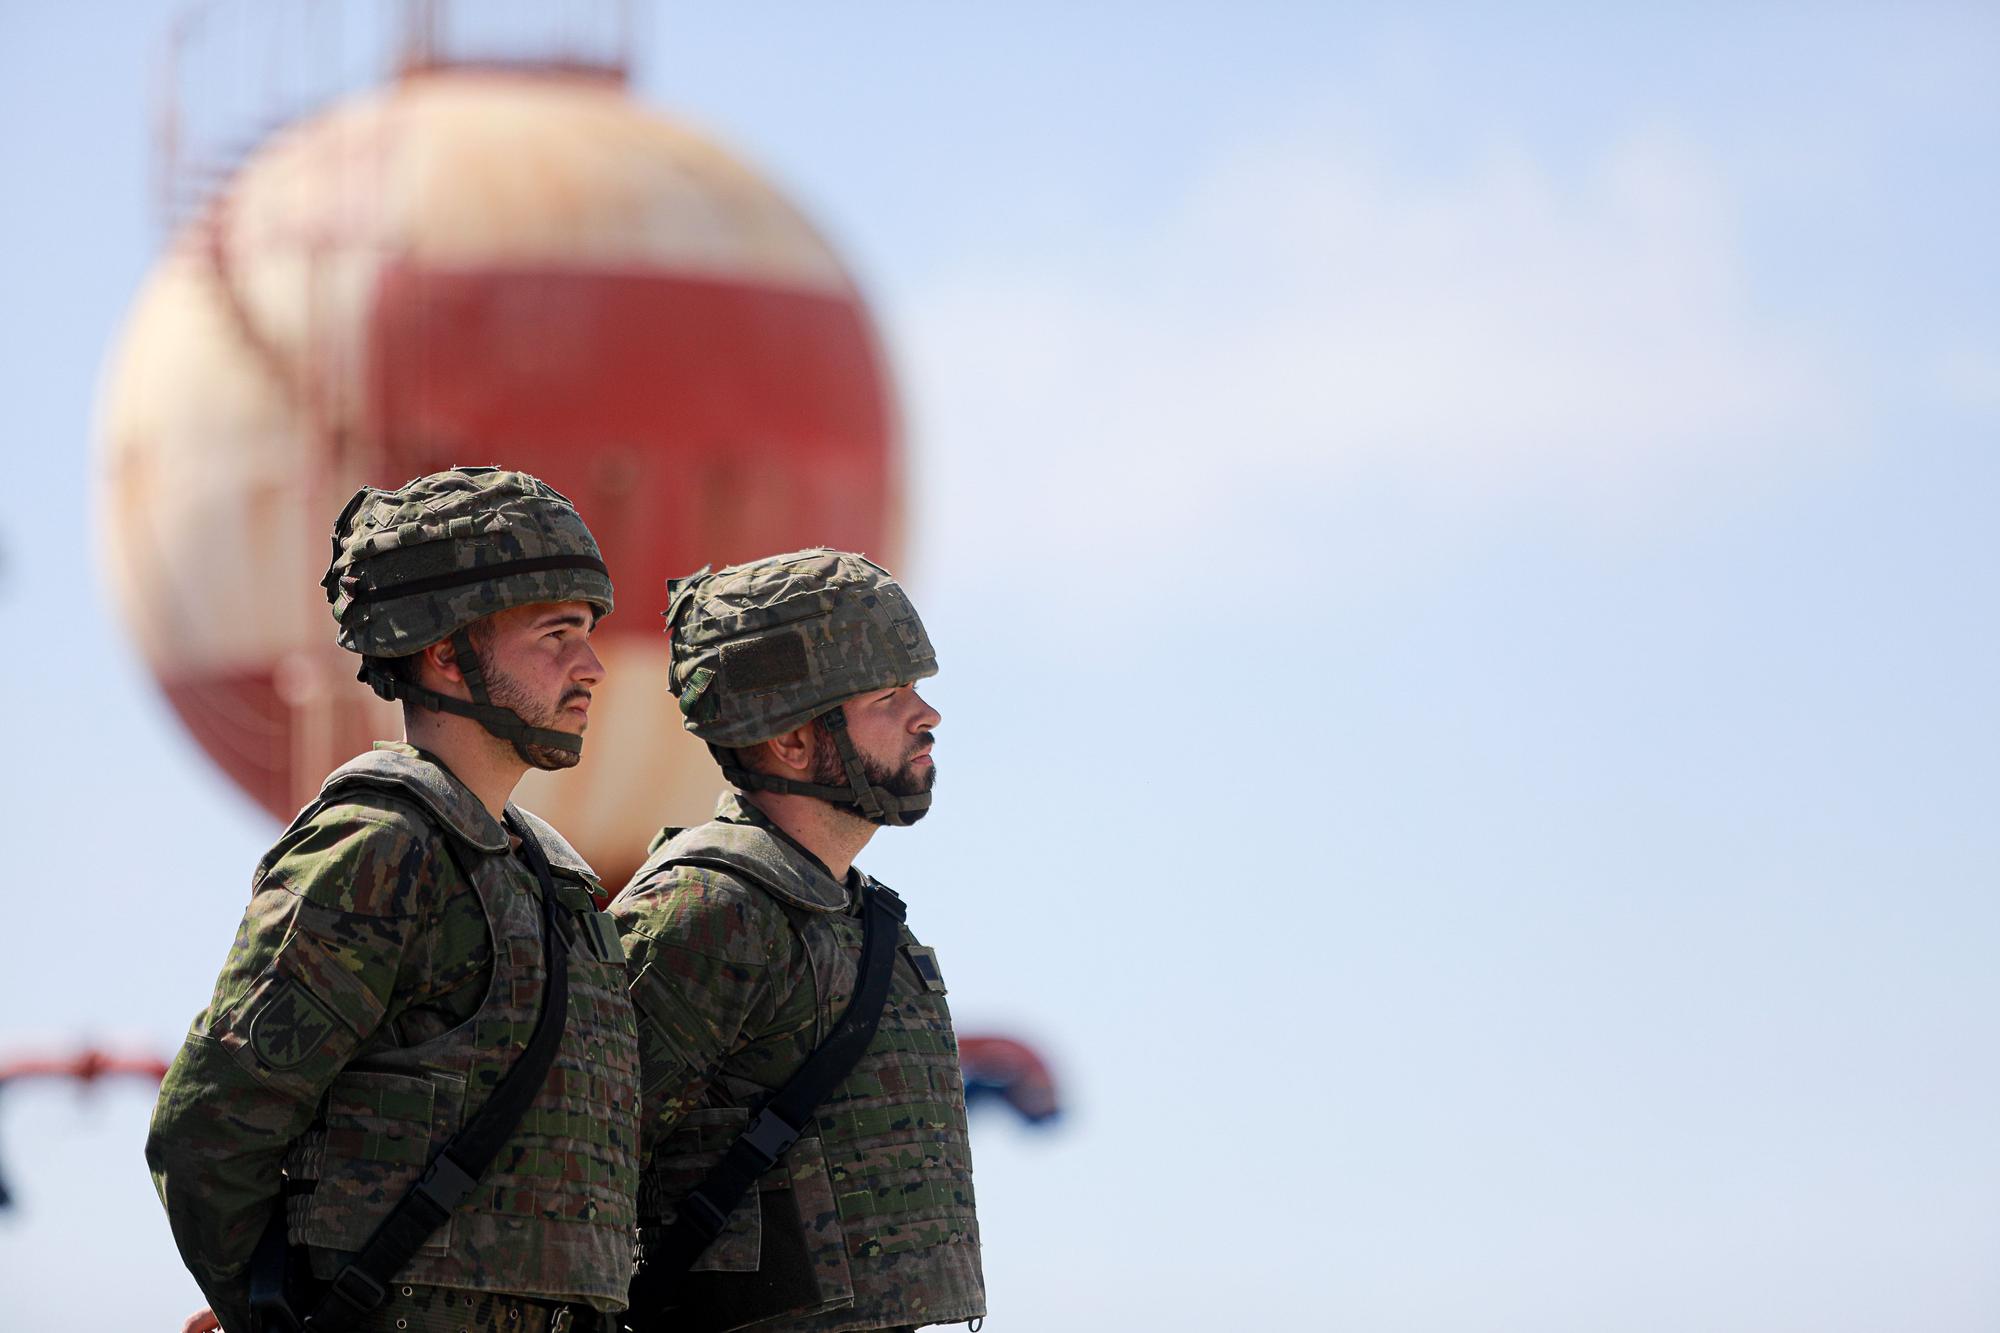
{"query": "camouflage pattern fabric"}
pixel 762 647
pixel 363 941
pixel 552 1216
pixel 736 975
pixel 413 565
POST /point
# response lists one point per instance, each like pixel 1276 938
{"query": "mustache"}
pixel 921 740
pixel 572 694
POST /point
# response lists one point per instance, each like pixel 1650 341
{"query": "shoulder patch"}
pixel 924 960
pixel 290 1023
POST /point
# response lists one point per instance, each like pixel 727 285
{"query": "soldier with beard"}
pixel 396 955
pixel 745 941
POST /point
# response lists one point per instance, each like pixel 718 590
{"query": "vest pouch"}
pixel 697 1142
pixel 803 1250
pixel 379 1133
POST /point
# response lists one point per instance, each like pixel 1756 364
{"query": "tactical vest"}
pixel 877 1205
pixel 553 1216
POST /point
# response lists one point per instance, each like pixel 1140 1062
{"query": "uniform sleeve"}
pixel 700 953
pixel 308 980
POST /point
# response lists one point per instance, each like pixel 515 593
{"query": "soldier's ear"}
pixel 439 662
pixel 792 751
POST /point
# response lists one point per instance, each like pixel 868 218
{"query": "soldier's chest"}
pixel 917 990
pixel 820 979
pixel 452 968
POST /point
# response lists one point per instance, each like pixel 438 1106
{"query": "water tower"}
pixel 493 255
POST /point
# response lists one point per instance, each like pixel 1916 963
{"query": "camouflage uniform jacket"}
pixel 365 947
pixel 741 960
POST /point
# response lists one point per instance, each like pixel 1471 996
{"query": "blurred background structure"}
pixel 1461 547
pixel 495 255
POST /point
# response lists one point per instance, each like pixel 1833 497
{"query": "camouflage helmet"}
pixel 418 565
pixel 763 647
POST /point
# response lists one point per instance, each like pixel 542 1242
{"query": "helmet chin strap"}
pixel 877 805
pixel 505 723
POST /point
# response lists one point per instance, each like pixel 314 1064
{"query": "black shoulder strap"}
pixel 364 1283
pixel 775 1127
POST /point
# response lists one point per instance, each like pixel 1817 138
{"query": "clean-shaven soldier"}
pixel 745 940
pixel 394 961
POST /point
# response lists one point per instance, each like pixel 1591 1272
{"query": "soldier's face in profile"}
pixel 538 661
pixel 892 731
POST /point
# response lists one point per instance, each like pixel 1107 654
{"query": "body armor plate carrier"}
pixel 872 1209
pixel 552 1218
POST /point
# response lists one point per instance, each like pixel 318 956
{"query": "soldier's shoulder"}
pixel 377 806
pixel 369 851
pixel 711 909
pixel 563 859
pixel 686 885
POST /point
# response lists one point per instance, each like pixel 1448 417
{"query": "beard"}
pixel 905 779
pixel 510 694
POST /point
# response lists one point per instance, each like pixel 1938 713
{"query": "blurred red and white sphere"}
pixel 479 266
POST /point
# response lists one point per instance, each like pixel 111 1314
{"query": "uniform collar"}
pixel 733 808
pixel 450 800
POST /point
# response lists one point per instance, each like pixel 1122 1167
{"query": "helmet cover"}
pixel 763 647
pixel 413 566
pixel 420 564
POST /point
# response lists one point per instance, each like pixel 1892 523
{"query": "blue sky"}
pixel 1462 549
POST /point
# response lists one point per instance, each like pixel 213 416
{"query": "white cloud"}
pixel 1314 316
